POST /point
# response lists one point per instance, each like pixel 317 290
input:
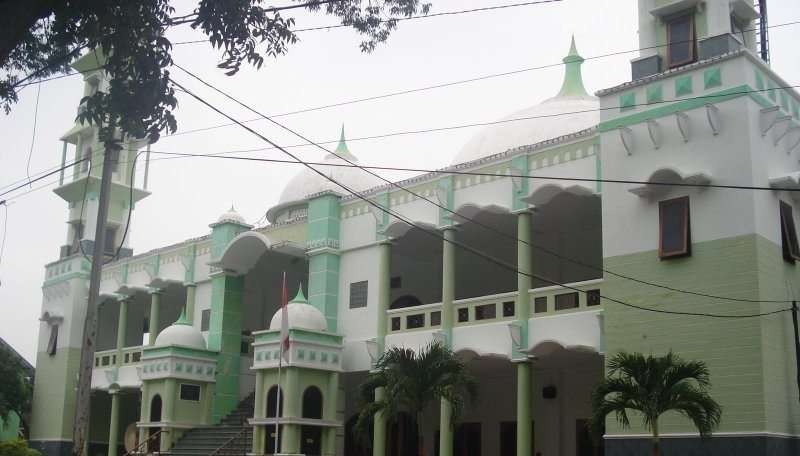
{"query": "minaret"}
pixel 82 185
pixel 66 281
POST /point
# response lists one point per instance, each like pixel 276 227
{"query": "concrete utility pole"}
pixel 82 405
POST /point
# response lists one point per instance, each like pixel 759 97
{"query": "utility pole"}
pixel 796 343
pixel 82 404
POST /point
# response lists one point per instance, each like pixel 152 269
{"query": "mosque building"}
pixel 562 271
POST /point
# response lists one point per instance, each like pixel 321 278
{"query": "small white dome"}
pixel 571 111
pixel 300 315
pixel 307 182
pixel 231 216
pixel 181 333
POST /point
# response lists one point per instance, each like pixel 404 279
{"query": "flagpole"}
pixel 278 406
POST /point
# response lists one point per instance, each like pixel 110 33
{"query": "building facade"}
pixel 533 281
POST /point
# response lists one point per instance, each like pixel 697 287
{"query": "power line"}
pixel 459 244
pixel 421 16
pixel 441 206
pixel 33 134
pixel 436 86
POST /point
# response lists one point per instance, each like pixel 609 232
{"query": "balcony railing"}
pixel 108 358
pixel 553 300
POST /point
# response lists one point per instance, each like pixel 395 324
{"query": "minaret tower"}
pixel 65 288
pixel 82 189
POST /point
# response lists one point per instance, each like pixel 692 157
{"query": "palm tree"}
pixel 653 385
pixel 412 381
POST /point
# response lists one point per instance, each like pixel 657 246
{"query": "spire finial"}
pixel 183 320
pixel 341 148
pixel 300 296
pixel 573 81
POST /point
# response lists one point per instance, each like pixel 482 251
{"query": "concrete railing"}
pixel 552 300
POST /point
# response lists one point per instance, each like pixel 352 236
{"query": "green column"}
pixel 167 412
pixel 155 311
pixel 384 291
pixel 524 283
pixel 448 296
pixel 113 429
pixel 384 296
pixel 322 246
pixel 144 413
pixel 329 413
pixel 225 336
pixel 122 326
pixel 208 403
pixel 259 411
pixel 191 288
pixel 448 282
pixel 379 441
pixel 524 408
pixel 290 433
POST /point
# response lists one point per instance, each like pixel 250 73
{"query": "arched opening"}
pixel 311 436
pixel 355 444
pixel 415 267
pixel 567 232
pixel 155 417
pixel 402 435
pixel 405 301
pixel 312 403
pixel 272 407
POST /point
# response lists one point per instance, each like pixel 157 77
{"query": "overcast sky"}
pixel 324 67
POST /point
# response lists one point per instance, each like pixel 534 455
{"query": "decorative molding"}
pixel 713 117
pixel 626 136
pixel 654 130
pixel 780 128
pixel 684 125
pixel 767 118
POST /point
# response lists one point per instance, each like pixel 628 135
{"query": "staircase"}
pixel 232 436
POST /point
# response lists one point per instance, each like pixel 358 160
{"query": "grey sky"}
pixel 324 67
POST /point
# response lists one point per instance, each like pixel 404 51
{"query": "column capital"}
pixel 155 291
pixel 190 284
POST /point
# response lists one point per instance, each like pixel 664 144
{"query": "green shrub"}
pixel 17 448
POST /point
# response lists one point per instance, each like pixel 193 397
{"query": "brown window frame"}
pixel 692 32
pixel 789 244
pixel 687 231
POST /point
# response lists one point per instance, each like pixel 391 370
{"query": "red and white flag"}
pixel 284 321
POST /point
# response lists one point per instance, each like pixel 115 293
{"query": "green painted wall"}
pixel 9 428
pixel 733 349
pixel 776 279
pixel 225 335
pixel 54 395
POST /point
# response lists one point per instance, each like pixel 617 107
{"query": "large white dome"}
pixel 541 122
pixel 307 182
pixel 181 333
pixel 300 315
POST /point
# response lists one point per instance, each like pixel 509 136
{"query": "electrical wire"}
pixel 421 16
pixel 447 209
pixel 459 244
pixel 33 134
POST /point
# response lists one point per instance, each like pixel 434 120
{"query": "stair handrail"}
pixel 229 441
pixel 145 442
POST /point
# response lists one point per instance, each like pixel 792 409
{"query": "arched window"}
pixel 272 401
pixel 312 403
pixel 405 301
pixel 155 409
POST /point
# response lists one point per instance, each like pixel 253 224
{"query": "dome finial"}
pixel 183 320
pixel 341 149
pixel 573 80
pixel 300 297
